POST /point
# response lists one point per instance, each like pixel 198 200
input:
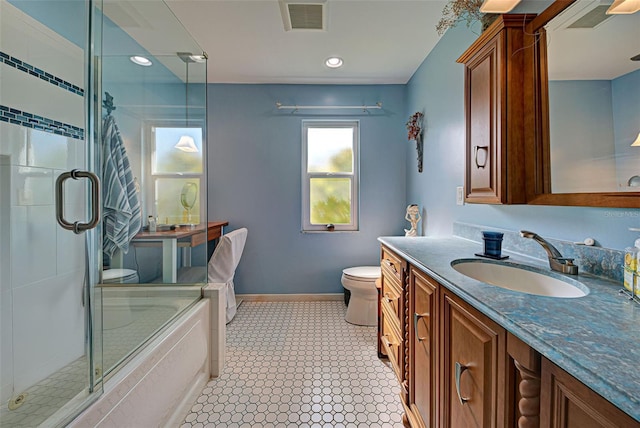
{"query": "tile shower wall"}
pixel 41 265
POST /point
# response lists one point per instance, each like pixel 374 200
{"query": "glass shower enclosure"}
pixel 102 135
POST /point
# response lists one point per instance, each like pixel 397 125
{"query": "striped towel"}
pixel 121 206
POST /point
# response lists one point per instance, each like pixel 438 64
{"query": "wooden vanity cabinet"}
pixel 499 375
pixel 568 403
pixel 499 87
pixel 459 369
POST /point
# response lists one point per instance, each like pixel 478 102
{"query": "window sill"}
pixel 328 231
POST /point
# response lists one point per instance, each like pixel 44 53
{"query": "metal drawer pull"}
pixel 416 317
pixel 78 227
pixel 477 149
pixel 459 370
pixel 387 342
pixel 391 265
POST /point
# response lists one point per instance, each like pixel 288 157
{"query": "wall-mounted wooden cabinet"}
pixel 499 86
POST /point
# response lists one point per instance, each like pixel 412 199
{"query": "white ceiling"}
pixel 599 53
pixel 380 41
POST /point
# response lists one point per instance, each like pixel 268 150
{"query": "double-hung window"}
pixel 176 173
pixel 330 175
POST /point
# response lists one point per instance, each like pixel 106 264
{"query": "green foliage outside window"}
pixel 330 198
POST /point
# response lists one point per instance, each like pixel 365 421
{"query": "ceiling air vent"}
pixel 592 18
pixel 303 15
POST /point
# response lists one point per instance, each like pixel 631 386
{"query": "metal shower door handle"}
pixel 78 227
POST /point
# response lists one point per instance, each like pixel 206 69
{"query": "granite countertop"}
pixel 595 338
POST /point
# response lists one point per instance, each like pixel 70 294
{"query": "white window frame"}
pixel 307 176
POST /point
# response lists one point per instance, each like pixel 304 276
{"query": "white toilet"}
pixel 120 276
pixel 363 304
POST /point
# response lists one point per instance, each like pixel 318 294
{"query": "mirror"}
pixel 188 198
pixel 589 144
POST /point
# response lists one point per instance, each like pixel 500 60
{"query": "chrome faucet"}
pixel 556 261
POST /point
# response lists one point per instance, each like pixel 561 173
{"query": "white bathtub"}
pixel 157 386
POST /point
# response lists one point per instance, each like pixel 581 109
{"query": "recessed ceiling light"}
pixel 333 62
pixel 140 60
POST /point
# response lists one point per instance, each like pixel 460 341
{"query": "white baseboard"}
pixel 320 297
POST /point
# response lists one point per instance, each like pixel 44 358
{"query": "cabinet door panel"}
pixel 496 81
pixel 472 367
pixel 568 403
pixel 422 344
pixel 483 126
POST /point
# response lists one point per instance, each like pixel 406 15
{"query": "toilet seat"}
pixel 120 276
pixel 362 273
pixel 363 304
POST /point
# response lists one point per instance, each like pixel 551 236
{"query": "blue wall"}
pixel 626 113
pixel 581 133
pixel 437 89
pixel 255 181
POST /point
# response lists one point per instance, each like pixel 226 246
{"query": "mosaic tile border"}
pixel 36 72
pixel 603 262
pixel 29 120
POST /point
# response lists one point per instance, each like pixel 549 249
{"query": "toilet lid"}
pixel 363 272
pixel 112 274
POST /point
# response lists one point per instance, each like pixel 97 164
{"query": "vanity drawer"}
pixel 392 347
pixel 392 298
pixel 391 266
pixel 389 311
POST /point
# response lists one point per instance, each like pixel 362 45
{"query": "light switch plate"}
pixel 459 195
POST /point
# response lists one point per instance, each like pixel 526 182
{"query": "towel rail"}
pixel 295 108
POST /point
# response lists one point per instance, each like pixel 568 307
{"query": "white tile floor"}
pixel 299 364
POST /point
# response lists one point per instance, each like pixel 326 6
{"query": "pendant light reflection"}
pixel 498 6
pixel 636 143
pixel 624 7
pixel 187 144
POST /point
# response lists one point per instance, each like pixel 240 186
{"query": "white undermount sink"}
pixel 521 278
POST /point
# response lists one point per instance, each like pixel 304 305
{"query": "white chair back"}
pixel 223 264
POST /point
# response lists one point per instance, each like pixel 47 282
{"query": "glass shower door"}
pixel 47 366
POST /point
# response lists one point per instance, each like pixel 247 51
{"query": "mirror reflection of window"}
pixel 594 99
pixel 176 169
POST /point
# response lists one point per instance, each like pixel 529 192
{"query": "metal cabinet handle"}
pixel 459 370
pixel 391 265
pixel 78 227
pixel 477 149
pixel 416 317
pixel 387 342
pixel 387 298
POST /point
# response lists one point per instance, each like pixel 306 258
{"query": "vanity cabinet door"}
pixel 472 367
pixel 423 337
pixel 566 402
pixel 496 82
